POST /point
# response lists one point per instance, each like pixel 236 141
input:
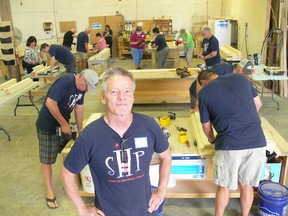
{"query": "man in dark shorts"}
pixel 118 148
pixel 62 55
pixel 65 95
pixel 231 105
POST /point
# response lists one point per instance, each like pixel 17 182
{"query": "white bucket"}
pixel 86 179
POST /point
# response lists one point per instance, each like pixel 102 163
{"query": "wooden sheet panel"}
pixel 114 22
pixel 93 21
pixel 67 25
pixel 147 25
pixel 162 91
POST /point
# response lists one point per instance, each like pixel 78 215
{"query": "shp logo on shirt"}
pixel 73 100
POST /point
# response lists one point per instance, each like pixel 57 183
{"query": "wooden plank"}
pixel 103 54
pixel 230 53
pixel 201 135
pixel 281 145
pixel 8 83
pixel 16 87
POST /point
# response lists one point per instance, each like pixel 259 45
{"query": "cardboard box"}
pixel 188 166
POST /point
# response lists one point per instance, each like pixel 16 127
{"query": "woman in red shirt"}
pixel 137 44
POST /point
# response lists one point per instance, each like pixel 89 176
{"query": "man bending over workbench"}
pixel 230 104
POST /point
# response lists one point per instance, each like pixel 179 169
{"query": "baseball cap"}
pixel 247 66
pixel 91 78
pixel 138 28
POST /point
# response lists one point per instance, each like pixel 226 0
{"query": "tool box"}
pixel 275 71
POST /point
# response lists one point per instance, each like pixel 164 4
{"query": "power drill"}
pixel 142 43
pixel 166 133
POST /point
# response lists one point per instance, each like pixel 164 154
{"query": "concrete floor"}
pixel 22 188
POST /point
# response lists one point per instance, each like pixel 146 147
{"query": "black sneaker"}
pixel 139 68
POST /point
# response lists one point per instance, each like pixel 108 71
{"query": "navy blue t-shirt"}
pixel 228 102
pixel 220 69
pixel 210 45
pixel 81 39
pixel 65 93
pixel 160 42
pixel 61 54
pixel 119 191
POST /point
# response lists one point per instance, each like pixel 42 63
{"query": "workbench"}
pixel 6 98
pixel 260 75
pixel 159 86
pixel 173 54
pixel 201 188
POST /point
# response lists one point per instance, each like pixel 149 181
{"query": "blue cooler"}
pixel 273 199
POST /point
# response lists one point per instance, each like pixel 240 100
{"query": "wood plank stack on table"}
pixel 46 79
pixel 200 188
pixel 11 90
pixel 101 59
pixel 162 86
pixel 230 54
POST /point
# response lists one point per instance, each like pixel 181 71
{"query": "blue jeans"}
pixel 137 55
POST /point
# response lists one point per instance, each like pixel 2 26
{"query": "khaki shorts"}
pixel 82 55
pixel 245 166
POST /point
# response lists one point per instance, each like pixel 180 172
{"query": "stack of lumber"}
pixel 102 55
pixel 7 84
pixel 230 54
pixel 40 69
pixel 11 86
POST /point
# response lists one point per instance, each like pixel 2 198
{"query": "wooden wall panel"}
pixel 114 22
pixel 147 24
pixel 67 25
pixel 92 22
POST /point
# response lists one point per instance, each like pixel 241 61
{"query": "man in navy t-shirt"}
pixel 65 95
pixel 62 55
pixel 220 69
pixel 118 148
pixel 230 104
pixel 210 45
pixel 82 47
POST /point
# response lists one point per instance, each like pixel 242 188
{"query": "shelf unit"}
pixel 124 46
pixel 164 25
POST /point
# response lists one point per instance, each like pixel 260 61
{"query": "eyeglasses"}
pixel 123 152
